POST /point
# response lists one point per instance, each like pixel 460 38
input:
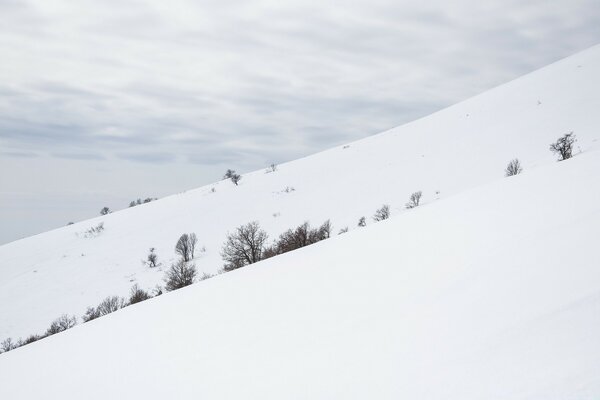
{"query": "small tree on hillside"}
pixel 231 175
pixel 244 246
pixel 105 210
pixel 564 146
pixel 186 246
pixel 513 168
pixel 152 259
pixel 137 295
pixel 382 213
pixel 362 222
pixel 179 275
pixel 7 345
pixel 110 305
pixel 414 200
pixel 60 324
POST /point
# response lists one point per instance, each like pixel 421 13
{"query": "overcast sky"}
pixel 102 102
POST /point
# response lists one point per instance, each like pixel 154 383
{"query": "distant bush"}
pixel 382 213
pixel 272 168
pixel 152 259
pixel 140 201
pixel 94 230
pixel 7 345
pixel 180 274
pixel 60 324
pixel 362 222
pixel 110 305
pixel 231 175
pixel 414 200
pixel 137 295
pixel 343 230
pixel 244 246
pixel 564 146
pixel 302 236
pixel 513 168
pixel 32 338
pixel 186 246
pixel 90 314
pixel 105 210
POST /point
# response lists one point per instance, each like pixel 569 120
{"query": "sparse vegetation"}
pixel 414 200
pixel 343 230
pixel 94 230
pixel 186 246
pixel 152 259
pixel 513 168
pixel 61 324
pixel 564 146
pixel 110 305
pixel 244 246
pixel 382 213
pixel 362 222
pixel 302 236
pixel 271 168
pixel 180 274
pixel 140 201
pixel 137 295
pixel 105 211
pixel 233 176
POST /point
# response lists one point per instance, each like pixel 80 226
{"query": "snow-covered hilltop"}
pixel 490 289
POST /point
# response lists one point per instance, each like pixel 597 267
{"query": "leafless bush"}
pixel 152 259
pixel 7 345
pixel 564 146
pixel 272 168
pixel 90 314
pixel 244 246
pixel 343 230
pixel 179 275
pixel 362 222
pixel 94 231
pixel 32 338
pixel 513 168
pixel 302 236
pixel 382 213
pixel 231 175
pixel 414 200
pixel 137 295
pixel 110 305
pixel 186 246
pixel 60 324
pixel 105 210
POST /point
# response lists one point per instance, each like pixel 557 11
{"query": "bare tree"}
pixel 105 210
pixel 272 168
pixel 382 213
pixel 414 200
pixel 7 345
pixel 186 245
pixel 179 275
pixel 152 259
pixel 90 314
pixel 137 295
pixel 564 146
pixel 244 246
pixel 362 222
pixel 231 175
pixel 513 168
pixel 110 305
pixel 60 324
pixel 343 230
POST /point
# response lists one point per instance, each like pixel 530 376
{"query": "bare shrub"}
pixel 362 222
pixel 272 168
pixel 7 345
pixel 414 200
pixel 244 246
pixel 90 314
pixel 137 295
pixel 105 210
pixel 231 175
pixel 382 213
pixel 513 168
pixel 179 275
pixel 343 230
pixel 302 236
pixel 32 338
pixel 94 230
pixel 186 246
pixel 152 259
pixel 110 305
pixel 564 146
pixel 60 324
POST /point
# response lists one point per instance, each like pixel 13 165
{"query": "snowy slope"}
pixel 491 294
pixel 456 149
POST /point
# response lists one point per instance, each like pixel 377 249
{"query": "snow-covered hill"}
pixel 490 294
pixel 447 153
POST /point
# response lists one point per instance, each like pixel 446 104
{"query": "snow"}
pixel 493 293
pixel 490 289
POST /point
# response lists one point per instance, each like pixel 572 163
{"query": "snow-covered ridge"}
pixel 453 150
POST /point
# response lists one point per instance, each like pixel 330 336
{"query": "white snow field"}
pixel 490 289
